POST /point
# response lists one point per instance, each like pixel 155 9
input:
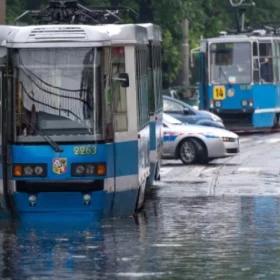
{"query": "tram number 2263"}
pixel 84 150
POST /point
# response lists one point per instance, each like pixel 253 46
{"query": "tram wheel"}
pixel 188 152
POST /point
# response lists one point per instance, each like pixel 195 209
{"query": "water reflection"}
pixel 174 238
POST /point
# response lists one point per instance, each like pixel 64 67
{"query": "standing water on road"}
pixel 174 238
pixel 219 221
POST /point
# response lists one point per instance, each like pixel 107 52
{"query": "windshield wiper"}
pixel 52 143
pixel 222 71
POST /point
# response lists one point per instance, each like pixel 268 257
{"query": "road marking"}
pixel 273 141
pixel 243 140
pixel 166 245
pixel 252 170
pixel 165 170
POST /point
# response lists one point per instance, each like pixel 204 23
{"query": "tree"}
pixel 206 19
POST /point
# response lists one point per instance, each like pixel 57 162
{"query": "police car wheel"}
pixel 188 152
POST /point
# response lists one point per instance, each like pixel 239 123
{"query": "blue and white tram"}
pixel 75 109
pixel 240 81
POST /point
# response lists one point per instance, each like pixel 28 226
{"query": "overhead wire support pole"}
pixel 241 6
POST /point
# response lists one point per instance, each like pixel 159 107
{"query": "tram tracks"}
pixel 255 171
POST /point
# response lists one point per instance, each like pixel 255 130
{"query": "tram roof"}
pixel 241 38
pixel 154 31
pixel 84 35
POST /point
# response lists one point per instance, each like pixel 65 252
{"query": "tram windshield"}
pixel 230 62
pixel 58 92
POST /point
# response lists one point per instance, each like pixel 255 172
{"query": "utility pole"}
pixel 2 11
pixel 183 78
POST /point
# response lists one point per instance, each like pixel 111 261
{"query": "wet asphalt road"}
pixel 255 171
pixel 220 221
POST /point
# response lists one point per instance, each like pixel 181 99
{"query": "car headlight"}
pixel 210 135
pixel 88 169
pixel 228 139
pixel 29 170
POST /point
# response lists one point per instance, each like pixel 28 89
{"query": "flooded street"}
pixel 219 221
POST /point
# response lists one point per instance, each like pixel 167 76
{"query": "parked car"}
pixel 196 143
pixel 187 114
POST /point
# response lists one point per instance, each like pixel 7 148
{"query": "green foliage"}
pixel 171 58
pixel 14 8
pixel 206 19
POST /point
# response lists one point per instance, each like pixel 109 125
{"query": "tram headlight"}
pixel 247 103
pixel 32 199
pixel 39 170
pixel 80 169
pixel 218 104
pixel 87 198
pixel 29 170
pixel 88 169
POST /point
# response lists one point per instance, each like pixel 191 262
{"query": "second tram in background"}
pixel 240 79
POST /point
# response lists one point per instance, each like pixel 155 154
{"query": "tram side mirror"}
pixel 123 79
pixel 3 56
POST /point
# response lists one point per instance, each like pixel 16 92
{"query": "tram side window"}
pixel 158 77
pixel 155 100
pixel 152 93
pixel 266 67
pixel 119 92
pixel 276 61
pixel 3 61
pixel 142 85
pixel 256 65
pixel 108 101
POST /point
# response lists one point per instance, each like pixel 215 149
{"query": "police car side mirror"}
pixel 123 78
pixel 186 111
